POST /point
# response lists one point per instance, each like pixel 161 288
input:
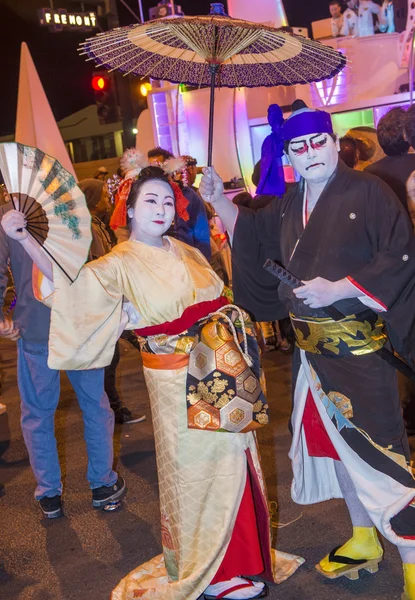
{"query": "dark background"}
pixel 66 76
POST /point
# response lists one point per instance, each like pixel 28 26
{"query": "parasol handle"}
pixel 215 9
pixel 213 70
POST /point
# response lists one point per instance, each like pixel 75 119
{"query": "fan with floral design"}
pixel 55 208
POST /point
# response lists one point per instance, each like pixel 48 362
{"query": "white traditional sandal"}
pixel 352 566
pixel 246 583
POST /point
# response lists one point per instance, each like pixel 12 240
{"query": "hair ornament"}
pixel 133 162
pixel 172 165
pixel 113 184
pixel 119 215
pixel 181 202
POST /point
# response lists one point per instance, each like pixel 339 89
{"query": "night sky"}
pixel 65 76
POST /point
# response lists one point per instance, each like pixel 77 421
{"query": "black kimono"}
pixel 358 229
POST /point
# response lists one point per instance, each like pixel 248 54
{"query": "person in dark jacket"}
pixel 396 167
pixel 410 126
pixel 396 134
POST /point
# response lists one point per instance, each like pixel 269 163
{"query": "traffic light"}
pixel 105 91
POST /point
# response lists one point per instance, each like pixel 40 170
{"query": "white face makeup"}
pixel 314 156
pixel 153 212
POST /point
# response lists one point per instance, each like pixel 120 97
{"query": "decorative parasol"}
pixel 214 50
pixel 56 212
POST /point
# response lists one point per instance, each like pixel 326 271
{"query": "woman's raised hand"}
pixel 211 185
pixel 14 224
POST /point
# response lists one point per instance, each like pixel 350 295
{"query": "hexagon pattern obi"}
pixel 223 393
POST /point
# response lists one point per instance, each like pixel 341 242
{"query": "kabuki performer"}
pixel 199 356
pixel 346 236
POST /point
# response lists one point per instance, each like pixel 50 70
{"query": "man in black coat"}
pixel 396 167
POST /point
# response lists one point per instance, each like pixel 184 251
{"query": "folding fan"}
pixel 55 208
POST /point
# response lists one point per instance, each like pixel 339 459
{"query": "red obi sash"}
pixel 190 316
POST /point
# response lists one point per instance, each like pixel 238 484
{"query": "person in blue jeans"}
pixel 39 389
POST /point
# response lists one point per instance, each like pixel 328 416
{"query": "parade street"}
pixel 84 555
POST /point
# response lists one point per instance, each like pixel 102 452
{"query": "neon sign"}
pixel 58 20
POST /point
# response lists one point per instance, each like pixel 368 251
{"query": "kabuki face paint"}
pixel 153 212
pixel 314 156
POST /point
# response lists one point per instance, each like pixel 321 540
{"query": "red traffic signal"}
pixel 99 83
pixel 105 93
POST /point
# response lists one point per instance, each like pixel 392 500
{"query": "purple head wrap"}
pixel 306 121
pixel 272 174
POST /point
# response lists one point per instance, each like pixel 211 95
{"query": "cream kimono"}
pixel 202 474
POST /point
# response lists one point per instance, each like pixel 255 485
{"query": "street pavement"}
pixel 83 555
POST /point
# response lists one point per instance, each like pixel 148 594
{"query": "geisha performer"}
pixel 347 237
pixel 214 517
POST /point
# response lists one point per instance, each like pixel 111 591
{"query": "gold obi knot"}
pixel 340 338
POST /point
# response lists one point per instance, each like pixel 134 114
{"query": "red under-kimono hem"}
pixel 248 552
pixel 318 442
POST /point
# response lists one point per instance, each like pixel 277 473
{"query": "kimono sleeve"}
pixel 393 249
pixel 86 316
pixel 256 238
